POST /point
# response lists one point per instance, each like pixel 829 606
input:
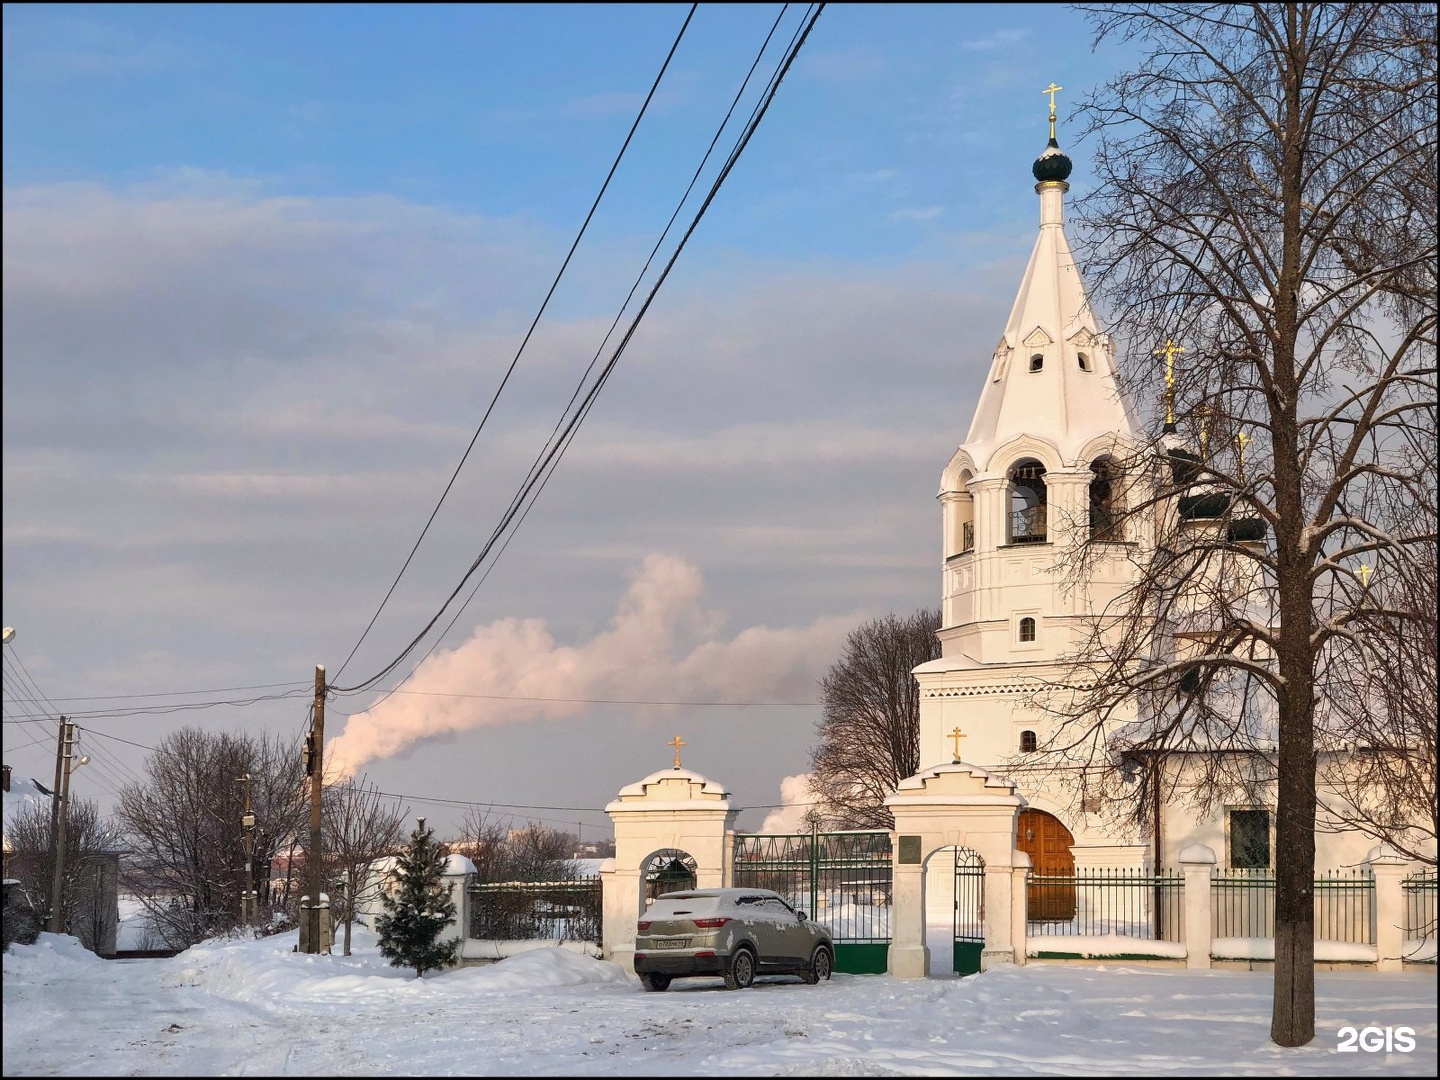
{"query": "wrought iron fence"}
pixel 1114 900
pixel 1420 914
pixel 1345 906
pixel 842 879
pixel 1243 905
pixel 527 910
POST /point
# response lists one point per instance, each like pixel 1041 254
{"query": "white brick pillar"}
pixel 1198 863
pixel 1389 868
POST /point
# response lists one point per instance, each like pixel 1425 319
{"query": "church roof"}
pixel 1060 400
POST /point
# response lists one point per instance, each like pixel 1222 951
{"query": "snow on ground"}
pixel 258 1007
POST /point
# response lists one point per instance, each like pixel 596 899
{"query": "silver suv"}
pixel 734 933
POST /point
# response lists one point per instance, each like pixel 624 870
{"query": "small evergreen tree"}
pixel 420 909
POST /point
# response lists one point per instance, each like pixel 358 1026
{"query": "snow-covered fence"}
pixel 537 910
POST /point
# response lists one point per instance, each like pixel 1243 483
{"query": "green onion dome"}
pixel 1052 164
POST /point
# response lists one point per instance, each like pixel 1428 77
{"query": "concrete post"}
pixel 1198 863
pixel 1019 873
pixel 999 917
pixel 1389 868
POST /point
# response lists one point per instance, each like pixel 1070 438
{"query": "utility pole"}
pixel 314 858
pixel 248 899
pixel 59 812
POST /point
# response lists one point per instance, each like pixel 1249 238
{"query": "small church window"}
pixel 1084 362
pixel 1249 839
pixel 1027 503
pixel 1027 630
pixel 1037 361
pixel 1027 742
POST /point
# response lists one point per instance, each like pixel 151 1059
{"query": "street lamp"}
pixel 9 634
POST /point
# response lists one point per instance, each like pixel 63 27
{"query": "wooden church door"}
pixel 1050 897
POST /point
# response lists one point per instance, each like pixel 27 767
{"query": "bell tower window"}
pixel 1027 629
pixel 1027 503
pixel 1037 361
pixel 1084 362
pixel 1105 509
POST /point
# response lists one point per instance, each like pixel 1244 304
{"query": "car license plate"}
pixel 670 942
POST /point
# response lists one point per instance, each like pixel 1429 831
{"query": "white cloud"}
pixel 797 797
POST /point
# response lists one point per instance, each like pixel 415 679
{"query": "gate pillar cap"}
pixel 668 786
pixel 1197 853
pixel 953 776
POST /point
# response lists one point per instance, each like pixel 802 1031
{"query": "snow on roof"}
pixel 25 791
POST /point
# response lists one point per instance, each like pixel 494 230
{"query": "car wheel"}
pixel 820 966
pixel 741 972
pixel 655 982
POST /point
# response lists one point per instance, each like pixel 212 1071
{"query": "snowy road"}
pixel 256 1008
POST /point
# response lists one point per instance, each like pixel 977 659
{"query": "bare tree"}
pixel 869 732
pixel 360 826
pixel 89 886
pixel 183 827
pixel 1266 198
pixel 501 853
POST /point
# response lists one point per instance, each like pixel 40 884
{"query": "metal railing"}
pixel 1243 905
pixel 1420 913
pixel 1028 526
pixel 531 910
pixel 1107 901
pixel 842 879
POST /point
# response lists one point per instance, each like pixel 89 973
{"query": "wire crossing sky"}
pixel 266 266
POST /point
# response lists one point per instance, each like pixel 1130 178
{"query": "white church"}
pixel 1035 543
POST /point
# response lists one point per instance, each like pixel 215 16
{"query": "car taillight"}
pixel 639 956
pixel 642 926
pixel 710 924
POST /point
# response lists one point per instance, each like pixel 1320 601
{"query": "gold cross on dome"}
pixel 1051 90
pixel 1169 349
pixel 1204 429
pixel 1364 576
pixel 677 743
pixel 1240 441
pixel 957 735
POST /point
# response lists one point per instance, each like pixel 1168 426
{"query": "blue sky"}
pixel 265 266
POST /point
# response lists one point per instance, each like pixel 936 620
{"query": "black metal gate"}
pixel 969 911
pixel 670 870
pixel 841 879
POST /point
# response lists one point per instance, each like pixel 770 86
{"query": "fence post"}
pixel 1198 863
pixel 1019 895
pixel 1389 867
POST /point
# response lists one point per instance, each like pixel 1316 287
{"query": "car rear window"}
pixel 670 906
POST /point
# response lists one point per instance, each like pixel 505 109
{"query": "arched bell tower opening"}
pixel 1105 508
pixel 1029 509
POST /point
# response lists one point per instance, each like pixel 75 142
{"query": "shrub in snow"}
pixel 419 908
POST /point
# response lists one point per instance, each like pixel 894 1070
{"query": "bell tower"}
pixel 1037 481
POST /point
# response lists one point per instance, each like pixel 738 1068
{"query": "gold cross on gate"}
pixel 1169 349
pixel 677 742
pixel 957 735
pixel 1364 576
pixel 1051 90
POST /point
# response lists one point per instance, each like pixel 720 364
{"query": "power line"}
pixel 534 322
pixel 539 477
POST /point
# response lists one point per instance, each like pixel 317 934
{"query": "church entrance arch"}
pixel 1050 893
pixel 667 870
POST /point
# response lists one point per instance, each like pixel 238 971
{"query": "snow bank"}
pixel 49 950
pixel 1263 948
pixel 478 949
pixel 1098 945
pixel 542 967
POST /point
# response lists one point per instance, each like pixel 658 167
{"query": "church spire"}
pixel 1052 376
